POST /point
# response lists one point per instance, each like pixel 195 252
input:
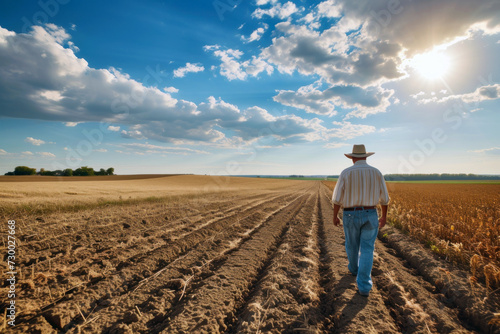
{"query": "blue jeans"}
pixel 361 228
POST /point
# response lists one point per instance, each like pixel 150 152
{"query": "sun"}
pixel 432 65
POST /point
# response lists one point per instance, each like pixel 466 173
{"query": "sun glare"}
pixel 432 65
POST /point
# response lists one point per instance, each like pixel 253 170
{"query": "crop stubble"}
pixel 265 261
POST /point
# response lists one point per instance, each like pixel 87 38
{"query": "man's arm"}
pixel 384 202
pixel 383 218
pixel 336 220
pixel 337 198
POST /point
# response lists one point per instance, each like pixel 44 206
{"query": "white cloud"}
pixel 257 66
pixel 364 101
pixel 101 150
pixel 256 34
pixel 96 95
pixel 113 128
pixel 71 124
pixel 265 2
pixel 329 8
pixel 417 95
pixel 488 92
pixel 27 153
pixel 33 141
pixel 46 154
pixel 370 40
pixel 491 150
pixel 3 152
pixel 325 9
pixel 151 148
pixel 171 90
pixel 330 55
pixel 233 69
pixel 335 145
pixel 189 68
pixel 57 33
pixel 230 67
pixel 277 10
pixel 347 130
pixel 135 134
pixel 51 95
pixel 73 47
pixel 446 21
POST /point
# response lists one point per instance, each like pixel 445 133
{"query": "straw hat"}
pixel 358 151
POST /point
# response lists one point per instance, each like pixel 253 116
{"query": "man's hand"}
pixel 336 209
pixel 382 221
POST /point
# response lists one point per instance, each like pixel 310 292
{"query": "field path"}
pixel 253 261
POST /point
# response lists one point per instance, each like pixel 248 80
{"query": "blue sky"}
pixel 250 87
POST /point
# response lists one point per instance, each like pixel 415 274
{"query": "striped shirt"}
pixel 360 185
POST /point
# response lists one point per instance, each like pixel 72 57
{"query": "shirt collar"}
pixel 360 162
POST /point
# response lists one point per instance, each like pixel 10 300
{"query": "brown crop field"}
pixel 459 221
pixel 201 254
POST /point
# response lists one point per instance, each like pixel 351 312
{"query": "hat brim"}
pixel 354 155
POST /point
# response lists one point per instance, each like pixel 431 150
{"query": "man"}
pixel 358 190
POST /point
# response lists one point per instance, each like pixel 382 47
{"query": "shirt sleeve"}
pixel 384 194
pixel 338 192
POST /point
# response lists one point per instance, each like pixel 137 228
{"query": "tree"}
pixel 84 171
pixel 24 170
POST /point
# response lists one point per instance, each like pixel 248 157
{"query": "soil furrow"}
pixel 229 285
pixel 127 277
pixel 326 274
pixel 162 221
pixel 411 299
pixel 169 283
pixel 476 304
pixel 286 298
pixel 139 238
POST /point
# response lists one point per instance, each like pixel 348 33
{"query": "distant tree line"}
pixel 438 177
pixel 434 177
pixel 82 171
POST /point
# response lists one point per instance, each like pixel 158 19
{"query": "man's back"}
pixel 360 185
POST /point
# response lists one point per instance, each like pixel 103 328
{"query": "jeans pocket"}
pixel 370 226
pixel 374 219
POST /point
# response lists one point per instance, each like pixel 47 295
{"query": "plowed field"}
pixel 251 258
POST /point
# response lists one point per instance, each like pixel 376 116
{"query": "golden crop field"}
pixel 43 194
pixel 460 221
pixel 203 254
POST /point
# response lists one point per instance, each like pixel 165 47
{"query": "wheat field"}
pixel 460 221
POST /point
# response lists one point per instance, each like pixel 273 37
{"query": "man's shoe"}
pixel 364 294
